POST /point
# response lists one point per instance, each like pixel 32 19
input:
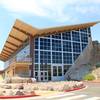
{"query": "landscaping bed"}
pixel 22 90
pixel 11 91
pixel 58 86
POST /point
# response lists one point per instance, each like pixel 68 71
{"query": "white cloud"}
pixel 61 10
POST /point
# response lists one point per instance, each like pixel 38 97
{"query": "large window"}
pixel 75 56
pixel 66 35
pixel 76 47
pixel 43 67
pixel 36 67
pixel 57 57
pixel 56 45
pixel 89 30
pixel 45 57
pixel 36 43
pixel 84 37
pixel 67 58
pixel 56 36
pixel 44 44
pixel 25 52
pixel 66 68
pixel 54 70
pixel 83 46
pixel 57 70
pixel 36 56
pixel 67 46
pixel 75 36
pixel 84 30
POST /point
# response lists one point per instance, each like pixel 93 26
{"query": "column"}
pixel 31 44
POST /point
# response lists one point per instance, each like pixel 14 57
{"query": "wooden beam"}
pixel 16 38
pixel 7 51
pixel 10 48
pixel 26 33
pixel 4 55
pixel 12 44
pixel 2 58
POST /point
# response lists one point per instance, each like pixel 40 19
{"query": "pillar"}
pixel 31 44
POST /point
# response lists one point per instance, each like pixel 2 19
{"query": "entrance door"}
pixel 44 76
pixel 57 72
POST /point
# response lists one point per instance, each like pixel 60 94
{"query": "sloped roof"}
pixel 18 35
pixel 21 31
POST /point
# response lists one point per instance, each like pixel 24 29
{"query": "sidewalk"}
pixel 94 81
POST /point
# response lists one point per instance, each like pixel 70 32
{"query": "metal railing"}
pixel 18 60
pixel 26 59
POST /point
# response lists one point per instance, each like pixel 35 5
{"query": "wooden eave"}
pixel 18 35
pixel 21 31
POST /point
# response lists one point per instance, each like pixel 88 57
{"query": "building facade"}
pixel 48 56
pixel 54 54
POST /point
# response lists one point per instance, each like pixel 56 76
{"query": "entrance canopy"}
pixel 21 31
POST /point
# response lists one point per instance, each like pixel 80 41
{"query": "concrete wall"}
pixel 81 65
pixel 95 53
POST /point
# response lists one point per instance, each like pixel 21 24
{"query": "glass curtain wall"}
pixel 61 48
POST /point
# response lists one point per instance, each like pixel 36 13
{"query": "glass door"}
pixel 57 72
pixel 44 76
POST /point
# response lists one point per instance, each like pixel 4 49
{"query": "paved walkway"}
pixel 64 96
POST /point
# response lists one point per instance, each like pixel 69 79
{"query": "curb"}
pixel 75 89
pixel 15 97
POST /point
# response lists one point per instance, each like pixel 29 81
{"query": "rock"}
pixel 9 93
pixel 18 79
pixel 6 86
pixel 1 93
pixel 33 80
pixel 32 93
pixel 7 80
pixel 19 86
pixel 19 93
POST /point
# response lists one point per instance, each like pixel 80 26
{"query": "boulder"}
pixel 6 87
pixel 9 93
pixel 19 93
pixel 19 86
pixel 1 93
pixel 17 79
pixel 7 80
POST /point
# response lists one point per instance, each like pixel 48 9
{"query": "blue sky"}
pixel 48 13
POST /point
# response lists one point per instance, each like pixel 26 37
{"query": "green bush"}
pixel 89 77
pixel 98 65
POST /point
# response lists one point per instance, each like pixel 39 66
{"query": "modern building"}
pixel 46 54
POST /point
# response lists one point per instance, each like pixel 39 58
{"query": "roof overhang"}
pixel 53 30
pixel 21 31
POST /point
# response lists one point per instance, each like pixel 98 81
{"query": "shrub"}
pixel 98 65
pixel 89 77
